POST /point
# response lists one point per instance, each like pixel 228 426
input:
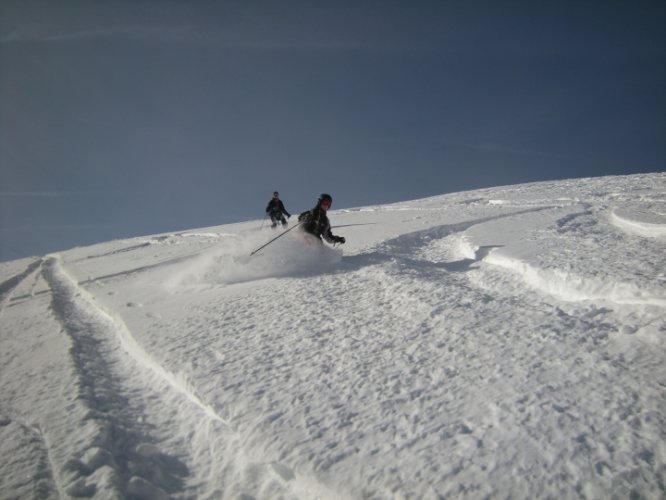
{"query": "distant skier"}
pixel 316 221
pixel 275 209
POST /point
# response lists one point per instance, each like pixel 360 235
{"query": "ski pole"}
pixel 278 236
pixel 263 221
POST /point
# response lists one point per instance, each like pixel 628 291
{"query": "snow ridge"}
pixel 633 222
pixel 90 326
pixel 571 288
pixel 129 343
pixel 107 459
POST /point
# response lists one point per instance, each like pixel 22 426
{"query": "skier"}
pixel 316 221
pixel 275 209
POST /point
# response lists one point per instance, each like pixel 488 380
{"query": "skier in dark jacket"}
pixel 316 221
pixel 275 209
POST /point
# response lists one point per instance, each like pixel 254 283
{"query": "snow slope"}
pixel 504 342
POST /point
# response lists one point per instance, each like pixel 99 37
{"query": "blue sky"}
pixel 120 118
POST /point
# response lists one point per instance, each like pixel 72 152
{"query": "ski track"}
pixel 7 287
pixel 590 329
pixel 634 225
pixel 569 284
pixel 30 452
pixel 570 287
pixel 90 327
pixel 110 460
pixel 30 445
pixel 116 326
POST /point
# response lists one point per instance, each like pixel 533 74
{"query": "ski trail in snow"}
pixel 633 223
pixel 78 301
pixel 109 450
pixel 48 468
pixel 563 285
pixel 30 448
pixel 560 282
pixel 52 464
pixel 7 287
pixel 127 340
pixel 571 288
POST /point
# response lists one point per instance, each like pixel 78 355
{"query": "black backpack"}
pixel 305 216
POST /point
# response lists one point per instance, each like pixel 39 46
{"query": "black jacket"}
pixel 276 207
pixel 316 222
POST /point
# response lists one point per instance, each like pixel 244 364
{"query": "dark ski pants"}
pixel 275 218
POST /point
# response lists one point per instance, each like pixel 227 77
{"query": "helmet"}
pixel 275 194
pixel 326 197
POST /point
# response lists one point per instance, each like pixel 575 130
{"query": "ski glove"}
pixel 339 239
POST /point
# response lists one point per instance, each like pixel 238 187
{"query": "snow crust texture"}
pixel 498 343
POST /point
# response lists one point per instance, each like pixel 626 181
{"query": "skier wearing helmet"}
pixel 316 221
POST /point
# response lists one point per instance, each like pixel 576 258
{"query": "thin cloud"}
pixel 233 31
pixel 46 194
pixel 45 35
pixel 498 148
pixel 179 34
pixel 51 227
pixel 508 150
